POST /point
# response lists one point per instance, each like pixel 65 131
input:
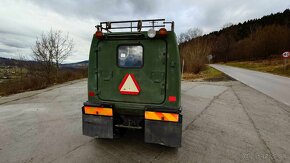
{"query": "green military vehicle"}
pixel 134 81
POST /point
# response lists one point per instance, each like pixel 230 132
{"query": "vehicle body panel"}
pixel 155 104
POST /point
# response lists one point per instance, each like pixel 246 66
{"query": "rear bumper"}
pixel 163 133
pixel 165 130
pixel 98 126
pixel 128 108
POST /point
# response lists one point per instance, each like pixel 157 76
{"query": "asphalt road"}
pixel 223 122
pixel 274 86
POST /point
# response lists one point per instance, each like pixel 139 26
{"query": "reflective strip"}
pixel 98 111
pixel 172 117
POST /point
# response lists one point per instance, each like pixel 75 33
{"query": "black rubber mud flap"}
pixel 98 126
pixel 164 133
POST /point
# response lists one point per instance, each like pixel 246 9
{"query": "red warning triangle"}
pixel 129 85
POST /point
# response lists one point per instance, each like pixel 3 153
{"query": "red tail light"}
pixel 91 93
pixel 172 98
pixel 99 35
pixel 162 32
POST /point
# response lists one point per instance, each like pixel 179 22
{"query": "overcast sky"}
pixel 21 21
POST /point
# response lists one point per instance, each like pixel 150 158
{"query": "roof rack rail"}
pixel 134 25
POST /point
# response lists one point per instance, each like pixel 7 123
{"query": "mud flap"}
pixel 164 133
pixel 98 126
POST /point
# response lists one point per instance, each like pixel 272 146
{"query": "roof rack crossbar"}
pixel 129 21
pixel 134 24
pixel 137 27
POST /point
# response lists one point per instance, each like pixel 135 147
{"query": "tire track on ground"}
pixel 255 127
pixel 194 119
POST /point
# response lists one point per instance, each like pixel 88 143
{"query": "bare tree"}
pixel 189 35
pixel 195 54
pixel 63 47
pixel 51 50
pixel 21 63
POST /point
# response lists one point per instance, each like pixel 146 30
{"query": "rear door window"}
pixel 130 56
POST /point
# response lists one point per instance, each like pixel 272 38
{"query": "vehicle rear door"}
pixel 144 60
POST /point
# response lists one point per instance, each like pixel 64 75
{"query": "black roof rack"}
pixel 134 25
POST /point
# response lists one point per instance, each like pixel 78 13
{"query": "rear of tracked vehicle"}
pixel 134 82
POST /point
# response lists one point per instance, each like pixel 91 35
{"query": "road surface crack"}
pixel 188 89
pixel 255 127
pixel 194 119
pixel 202 112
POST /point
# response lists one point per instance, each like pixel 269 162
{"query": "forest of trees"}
pixel 255 39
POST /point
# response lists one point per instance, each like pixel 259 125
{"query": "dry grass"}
pixel 273 66
pixel 194 54
pixel 13 86
pixel 206 74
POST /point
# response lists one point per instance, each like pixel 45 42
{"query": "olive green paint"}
pixel 159 77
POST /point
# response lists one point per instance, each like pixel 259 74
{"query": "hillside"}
pixel 81 64
pixel 255 39
pixel 8 62
pixel 19 76
pixel 243 30
pixel 15 62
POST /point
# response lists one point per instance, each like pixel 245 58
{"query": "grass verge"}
pixel 16 85
pixel 207 74
pixel 273 66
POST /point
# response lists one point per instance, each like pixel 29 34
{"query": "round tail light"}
pixel 162 32
pixel 99 35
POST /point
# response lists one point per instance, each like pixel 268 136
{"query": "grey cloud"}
pixel 15 39
pixel 98 9
pixel 206 14
pixel 217 13
pixel 5 50
pixel 144 8
pixel 9 32
pixel 79 17
pixel 14 43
